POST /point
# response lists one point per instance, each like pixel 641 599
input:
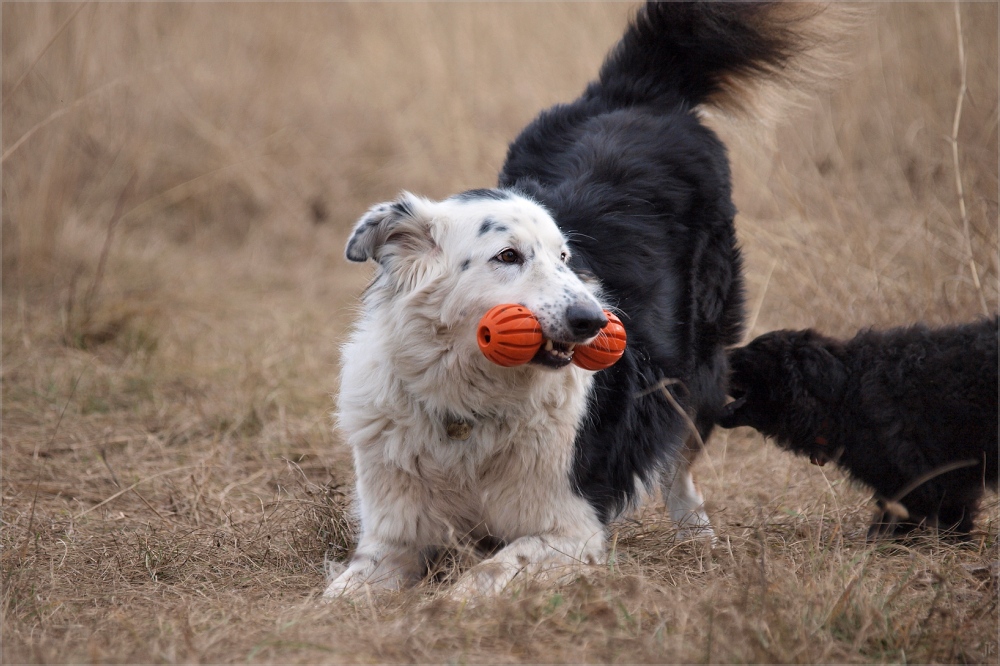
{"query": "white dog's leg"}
pixel 549 557
pixel 379 565
pixel 684 501
pixel 395 532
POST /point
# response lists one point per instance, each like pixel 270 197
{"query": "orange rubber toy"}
pixel 509 335
pixel 604 350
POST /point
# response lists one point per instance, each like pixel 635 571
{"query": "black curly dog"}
pixel 911 412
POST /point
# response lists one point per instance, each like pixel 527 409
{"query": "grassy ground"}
pixel 178 181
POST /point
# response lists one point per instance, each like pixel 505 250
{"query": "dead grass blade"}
pixel 31 66
pixel 132 487
pixel 956 123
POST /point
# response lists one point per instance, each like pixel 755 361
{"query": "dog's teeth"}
pixel 548 345
pixel 571 347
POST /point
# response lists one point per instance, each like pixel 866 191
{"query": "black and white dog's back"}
pixel 619 200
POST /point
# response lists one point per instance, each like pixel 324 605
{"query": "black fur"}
pixel 481 193
pixel 888 407
pixel 642 190
pixel 489 224
pixel 402 208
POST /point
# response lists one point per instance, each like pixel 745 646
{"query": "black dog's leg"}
pixel 956 522
pixel 884 523
pixel 893 520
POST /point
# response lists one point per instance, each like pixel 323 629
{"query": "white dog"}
pixel 447 444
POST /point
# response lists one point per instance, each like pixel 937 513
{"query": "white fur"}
pixel 686 505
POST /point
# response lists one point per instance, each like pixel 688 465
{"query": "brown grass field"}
pixel 178 182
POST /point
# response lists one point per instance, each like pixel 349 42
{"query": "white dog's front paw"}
pixel 386 570
pixel 343 585
pixel 546 560
pixel 485 579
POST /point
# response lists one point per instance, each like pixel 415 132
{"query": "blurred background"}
pixel 219 153
pixel 178 180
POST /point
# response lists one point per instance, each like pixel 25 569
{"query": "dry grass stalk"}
pixel 962 89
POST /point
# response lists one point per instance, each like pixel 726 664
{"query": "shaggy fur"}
pixel 892 408
pixel 618 200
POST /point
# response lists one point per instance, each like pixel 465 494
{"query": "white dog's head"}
pixel 475 250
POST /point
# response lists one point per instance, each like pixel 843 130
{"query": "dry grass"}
pixel 178 180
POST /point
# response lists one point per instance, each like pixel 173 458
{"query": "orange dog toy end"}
pixel 605 350
pixel 509 335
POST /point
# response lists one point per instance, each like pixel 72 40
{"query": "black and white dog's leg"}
pixel 553 533
pixel 549 558
pixel 379 564
pixel 395 533
pixel 683 500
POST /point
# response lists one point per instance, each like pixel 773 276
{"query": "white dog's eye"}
pixel 564 256
pixel 509 256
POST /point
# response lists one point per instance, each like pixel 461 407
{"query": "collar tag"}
pixel 458 428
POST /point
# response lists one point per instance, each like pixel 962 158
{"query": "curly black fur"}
pixel 891 407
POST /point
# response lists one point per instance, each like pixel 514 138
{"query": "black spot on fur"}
pixel 481 193
pixel 488 225
pixel 889 407
pixel 465 265
pixel 402 208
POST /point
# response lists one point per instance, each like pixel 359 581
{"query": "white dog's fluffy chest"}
pixel 511 477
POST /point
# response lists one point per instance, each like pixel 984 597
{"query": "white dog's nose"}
pixel 585 320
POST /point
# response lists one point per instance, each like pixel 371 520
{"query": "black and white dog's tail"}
pixel 692 53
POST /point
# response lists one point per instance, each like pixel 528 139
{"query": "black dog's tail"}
pixel 691 53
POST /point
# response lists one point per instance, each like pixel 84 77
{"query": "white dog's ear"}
pixel 391 228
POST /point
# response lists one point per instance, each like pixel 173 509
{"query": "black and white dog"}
pixel 620 200
pixel 911 412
